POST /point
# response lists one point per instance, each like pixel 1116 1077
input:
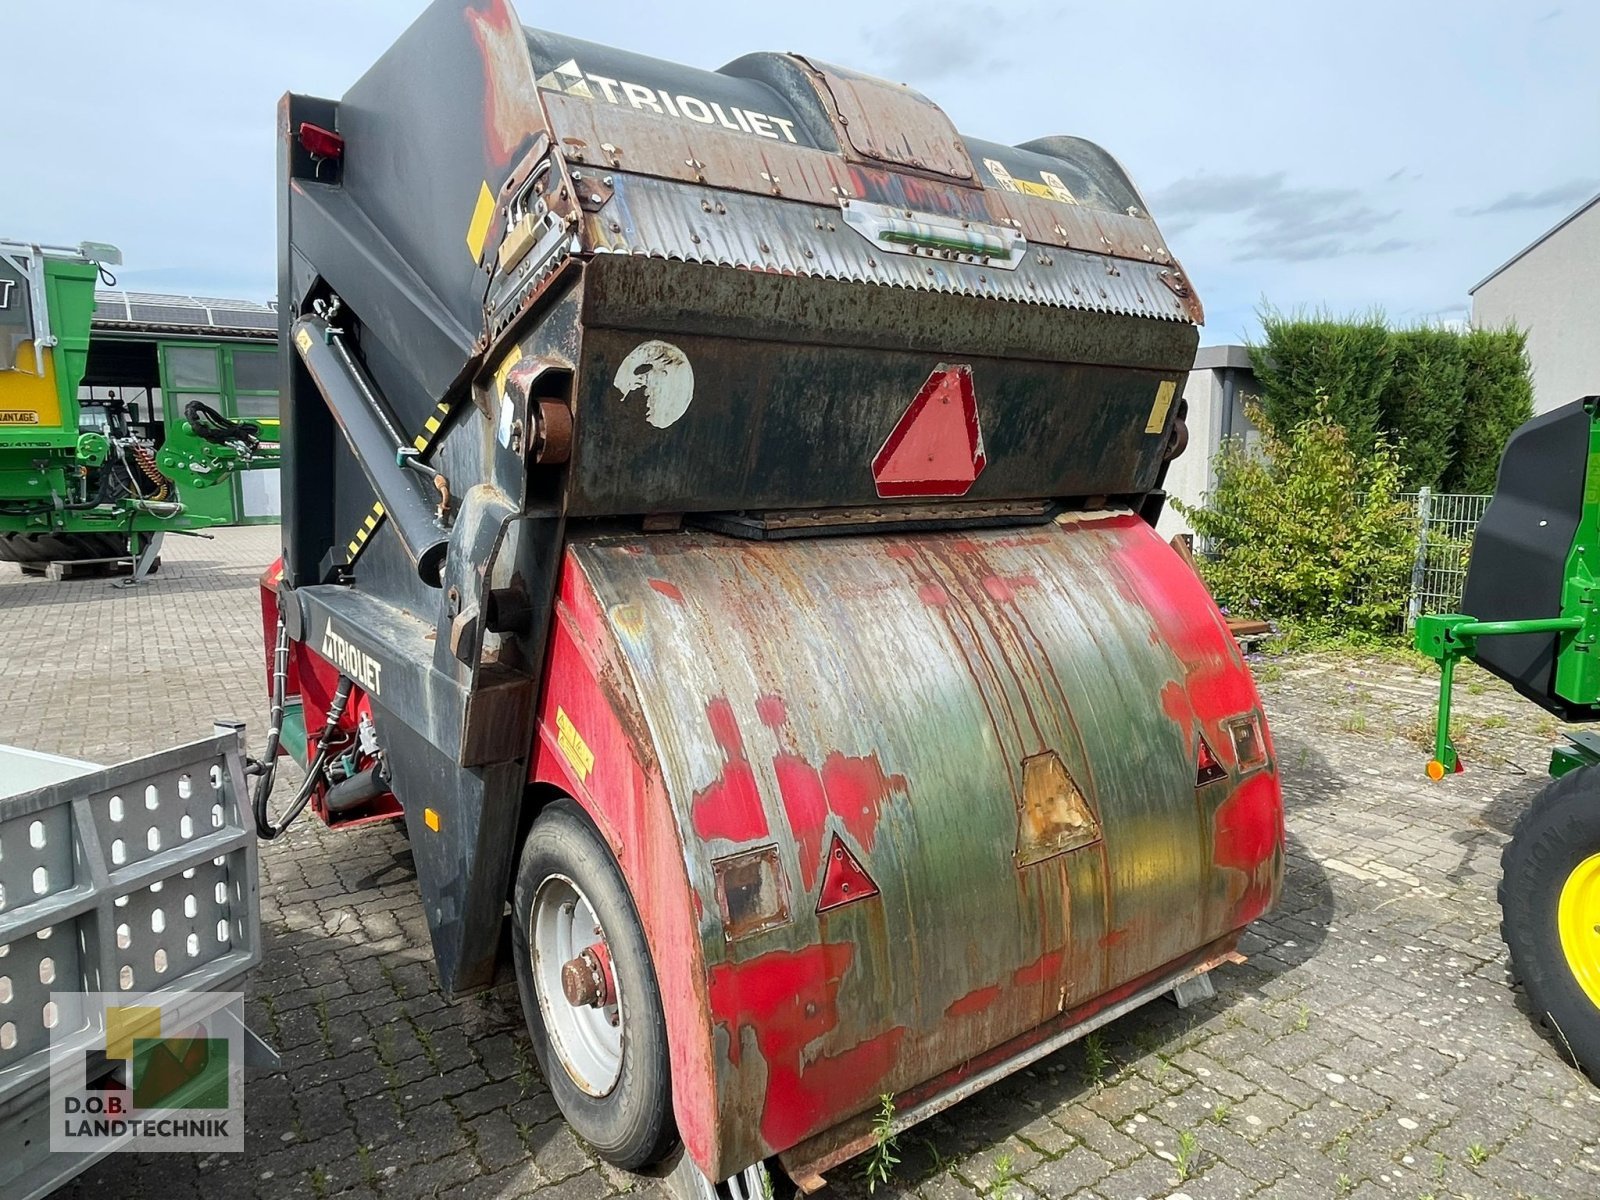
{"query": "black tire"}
pixel 1559 830
pixel 61 547
pixel 631 1126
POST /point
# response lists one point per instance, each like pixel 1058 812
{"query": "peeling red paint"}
pixel 1003 588
pixel 900 550
pixel 511 108
pixel 852 789
pixel 670 590
pixel 975 1001
pixel 772 711
pixel 789 1000
pixel 1248 833
pixel 932 593
pixel 1045 967
pixel 1175 703
pixel 731 807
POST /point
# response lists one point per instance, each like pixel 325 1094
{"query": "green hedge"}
pixel 1447 400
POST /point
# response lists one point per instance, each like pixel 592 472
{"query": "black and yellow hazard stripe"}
pixel 423 443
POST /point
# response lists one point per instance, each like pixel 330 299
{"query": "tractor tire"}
pixel 606 1063
pixel 60 547
pixel 1550 909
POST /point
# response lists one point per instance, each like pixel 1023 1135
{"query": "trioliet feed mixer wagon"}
pixel 718 518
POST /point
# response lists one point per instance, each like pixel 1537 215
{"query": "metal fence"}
pixel 1445 523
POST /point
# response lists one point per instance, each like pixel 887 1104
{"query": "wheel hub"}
pixel 1578 920
pixel 580 999
pixel 586 980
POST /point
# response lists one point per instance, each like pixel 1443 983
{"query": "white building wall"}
pixel 1553 291
pixel 1215 390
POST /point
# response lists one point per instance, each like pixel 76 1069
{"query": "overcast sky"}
pixel 1347 156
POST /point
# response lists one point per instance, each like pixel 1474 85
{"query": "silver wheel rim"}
pixel 588 1040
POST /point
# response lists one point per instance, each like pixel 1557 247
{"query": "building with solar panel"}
pixel 157 353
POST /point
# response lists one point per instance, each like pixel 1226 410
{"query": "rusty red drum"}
pixel 892 804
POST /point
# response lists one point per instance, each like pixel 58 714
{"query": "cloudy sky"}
pixel 1347 156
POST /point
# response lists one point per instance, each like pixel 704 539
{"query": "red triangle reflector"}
pixel 843 878
pixel 936 448
pixel 1210 770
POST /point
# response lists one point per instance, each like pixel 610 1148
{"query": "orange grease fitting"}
pixel 788 1000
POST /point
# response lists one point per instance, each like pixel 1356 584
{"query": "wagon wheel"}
pixel 589 991
pixel 1550 902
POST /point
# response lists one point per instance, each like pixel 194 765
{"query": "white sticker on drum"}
pixel 661 374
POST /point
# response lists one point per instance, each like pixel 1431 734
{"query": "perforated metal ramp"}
pixel 136 878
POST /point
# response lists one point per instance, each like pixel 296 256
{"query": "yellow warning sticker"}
pixel 504 369
pixel 303 340
pixel 1158 410
pixel 430 818
pixel 478 229
pixel 573 746
pixel 18 416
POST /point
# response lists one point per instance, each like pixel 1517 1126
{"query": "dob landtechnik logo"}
pixel 152 1074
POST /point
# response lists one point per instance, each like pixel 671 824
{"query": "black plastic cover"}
pixel 1519 556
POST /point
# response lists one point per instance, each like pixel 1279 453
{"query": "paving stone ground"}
pixel 1372 1045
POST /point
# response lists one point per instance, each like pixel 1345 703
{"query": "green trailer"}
pixel 86 475
pixel 1533 592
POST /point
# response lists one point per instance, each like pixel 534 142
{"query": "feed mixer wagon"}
pixel 718 518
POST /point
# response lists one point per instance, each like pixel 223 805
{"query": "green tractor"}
pixel 78 482
pixel 1533 587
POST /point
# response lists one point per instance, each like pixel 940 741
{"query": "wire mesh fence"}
pixel 1445 523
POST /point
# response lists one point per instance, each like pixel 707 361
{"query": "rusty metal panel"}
pixel 890 692
pixel 890 122
pixel 600 140
pixel 765 234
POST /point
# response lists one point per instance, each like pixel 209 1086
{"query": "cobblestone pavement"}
pixel 1372 1045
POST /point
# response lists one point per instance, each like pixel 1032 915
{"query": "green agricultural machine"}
pixel 79 481
pixel 1532 585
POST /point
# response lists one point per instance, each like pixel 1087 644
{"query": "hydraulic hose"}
pixel 267 768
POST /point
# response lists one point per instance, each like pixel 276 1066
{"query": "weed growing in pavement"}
pixel 369 1173
pixel 1303 1021
pixel 1345 1184
pixel 324 1024
pixel 1002 1179
pixel 881 1159
pixel 1188 1155
pixel 1095 1058
pixel 1438 1168
pixel 1219 1114
pixel 1477 1154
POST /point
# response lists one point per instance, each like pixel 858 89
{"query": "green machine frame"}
pixel 64 477
pixel 1450 637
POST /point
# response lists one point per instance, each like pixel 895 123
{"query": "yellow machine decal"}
pixel 1158 410
pixel 478 229
pixel 572 745
pixel 27 398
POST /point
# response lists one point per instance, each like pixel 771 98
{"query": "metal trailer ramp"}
pixel 86 864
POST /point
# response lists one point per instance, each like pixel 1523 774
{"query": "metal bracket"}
pixel 1196 989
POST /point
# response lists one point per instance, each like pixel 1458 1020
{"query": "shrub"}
pixel 1309 530
pixel 1312 363
pixel 1424 401
pixel 1446 400
pixel 1499 397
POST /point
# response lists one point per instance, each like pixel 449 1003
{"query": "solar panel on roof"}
pixel 157 312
